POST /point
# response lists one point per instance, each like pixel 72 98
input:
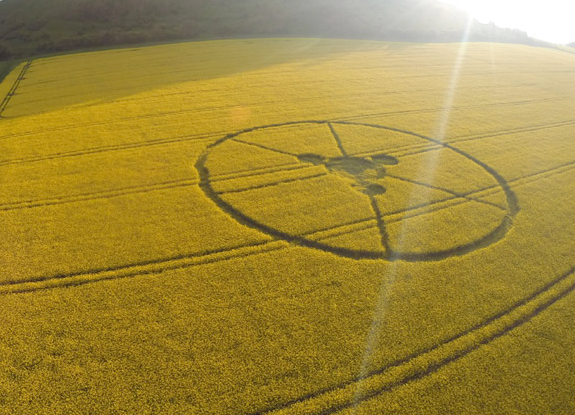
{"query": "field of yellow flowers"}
pixel 289 226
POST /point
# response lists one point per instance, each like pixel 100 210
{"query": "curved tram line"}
pixel 429 360
pixel 15 86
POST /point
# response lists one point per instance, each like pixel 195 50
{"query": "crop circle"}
pixel 358 190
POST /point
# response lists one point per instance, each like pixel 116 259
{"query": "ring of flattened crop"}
pixel 496 234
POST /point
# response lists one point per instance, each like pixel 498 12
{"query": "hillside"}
pixel 29 27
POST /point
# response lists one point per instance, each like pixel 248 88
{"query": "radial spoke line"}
pixel 415 149
pixel 337 140
pixel 520 181
pixel 381 226
pixel 395 151
pixel 451 192
pixel 414 152
pixel 433 207
pixel 275 150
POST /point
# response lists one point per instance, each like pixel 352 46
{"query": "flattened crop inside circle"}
pixel 358 190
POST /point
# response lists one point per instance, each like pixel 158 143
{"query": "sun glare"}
pixel 548 20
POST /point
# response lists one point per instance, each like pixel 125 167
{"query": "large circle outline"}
pixel 495 235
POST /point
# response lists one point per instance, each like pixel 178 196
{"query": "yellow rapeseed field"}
pixel 289 226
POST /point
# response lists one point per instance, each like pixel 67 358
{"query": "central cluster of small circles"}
pixel 365 172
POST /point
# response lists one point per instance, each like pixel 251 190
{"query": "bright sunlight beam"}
pixel 549 20
pixel 427 172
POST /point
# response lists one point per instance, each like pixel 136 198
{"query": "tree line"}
pixel 29 27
